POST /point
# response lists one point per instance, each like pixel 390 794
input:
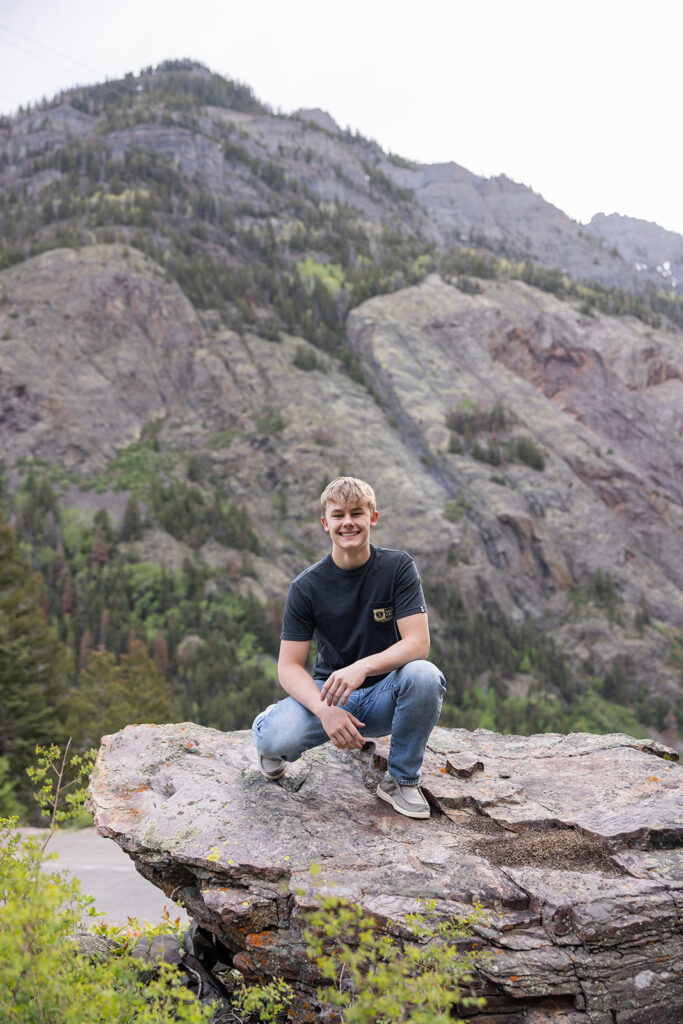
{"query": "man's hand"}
pixel 340 685
pixel 340 726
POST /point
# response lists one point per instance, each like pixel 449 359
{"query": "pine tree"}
pixel 111 695
pixel 33 665
pixel 131 528
pixel 147 693
pixel 97 707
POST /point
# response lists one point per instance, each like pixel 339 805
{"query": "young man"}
pixel 365 608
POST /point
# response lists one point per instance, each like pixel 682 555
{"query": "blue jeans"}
pixel 406 703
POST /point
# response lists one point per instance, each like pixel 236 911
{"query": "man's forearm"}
pixel 299 684
pixel 399 654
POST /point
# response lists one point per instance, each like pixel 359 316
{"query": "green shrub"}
pixel 468 285
pixel 373 976
pixel 267 1000
pixel 270 423
pixel 527 452
pixel 43 978
pixel 305 358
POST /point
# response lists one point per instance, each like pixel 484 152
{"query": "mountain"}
pixel 645 245
pixel 208 310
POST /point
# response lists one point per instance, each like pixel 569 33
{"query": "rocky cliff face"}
pixel 646 246
pixel 525 449
pixel 98 345
pixel 573 845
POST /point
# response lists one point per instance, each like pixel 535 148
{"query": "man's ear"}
pixel 375 517
pixel 325 526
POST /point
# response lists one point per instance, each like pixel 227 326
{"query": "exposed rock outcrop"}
pixel 574 844
pixel 646 246
pixel 97 345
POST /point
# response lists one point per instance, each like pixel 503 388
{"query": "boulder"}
pixel 572 844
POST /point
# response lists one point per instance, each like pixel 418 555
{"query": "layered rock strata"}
pixel 572 844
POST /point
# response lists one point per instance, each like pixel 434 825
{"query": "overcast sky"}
pixel 579 100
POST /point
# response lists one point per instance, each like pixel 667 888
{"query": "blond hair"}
pixel 348 490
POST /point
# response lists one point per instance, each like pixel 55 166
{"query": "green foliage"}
pixel 270 423
pixel 526 451
pixel 111 694
pixel 490 454
pixel 33 664
pixel 471 648
pixel 650 304
pixel 292 261
pixel 382 183
pixel 9 805
pixel 470 421
pixel 139 643
pixel 540 711
pixel 615 683
pixel 43 979
pixel 131 527
pixel 305 359
pixel 52 775
pixel 602 590
pixel 127 936
pixel 331 275
pixel 643 615
pixel 456 509
pixel 481 434
pixel 267 1000
pixel 468 285
pixel 185 513
pixel 373 976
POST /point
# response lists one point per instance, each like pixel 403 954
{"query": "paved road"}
pixel 108 874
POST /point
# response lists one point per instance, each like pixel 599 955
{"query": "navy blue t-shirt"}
pixel 352 613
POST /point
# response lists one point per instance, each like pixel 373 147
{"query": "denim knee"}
pixel 262 736
pixel 427 679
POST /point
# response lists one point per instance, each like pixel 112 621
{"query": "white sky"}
pixel 579 100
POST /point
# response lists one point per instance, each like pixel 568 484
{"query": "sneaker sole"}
pixel 401 810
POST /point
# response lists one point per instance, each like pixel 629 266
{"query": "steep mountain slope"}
pixel 220 157
pixel 208 310
pixel 515 454
pixel 646 246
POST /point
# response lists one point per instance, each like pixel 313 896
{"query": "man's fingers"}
pixel 329 689
pixel 348 737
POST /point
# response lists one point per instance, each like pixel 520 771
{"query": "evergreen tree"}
pixel 33 665
pixel 111 695
pixel 146 691
pixel 131 528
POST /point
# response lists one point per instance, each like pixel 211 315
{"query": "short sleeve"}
pixel 297 622
pixel 408 595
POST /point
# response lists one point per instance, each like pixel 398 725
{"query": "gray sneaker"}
pixel 272 767
pixel 407 800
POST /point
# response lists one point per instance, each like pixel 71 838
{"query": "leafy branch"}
pixel 53 774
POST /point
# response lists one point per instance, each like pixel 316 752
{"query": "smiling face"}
pixel 349 529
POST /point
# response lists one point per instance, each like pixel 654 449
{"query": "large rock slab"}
pixel 573 844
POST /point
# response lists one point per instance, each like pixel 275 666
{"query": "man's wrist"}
pixel 365 667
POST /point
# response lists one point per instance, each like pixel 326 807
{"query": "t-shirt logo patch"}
pixel 383 614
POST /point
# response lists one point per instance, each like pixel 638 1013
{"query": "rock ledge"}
pixel 573 843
